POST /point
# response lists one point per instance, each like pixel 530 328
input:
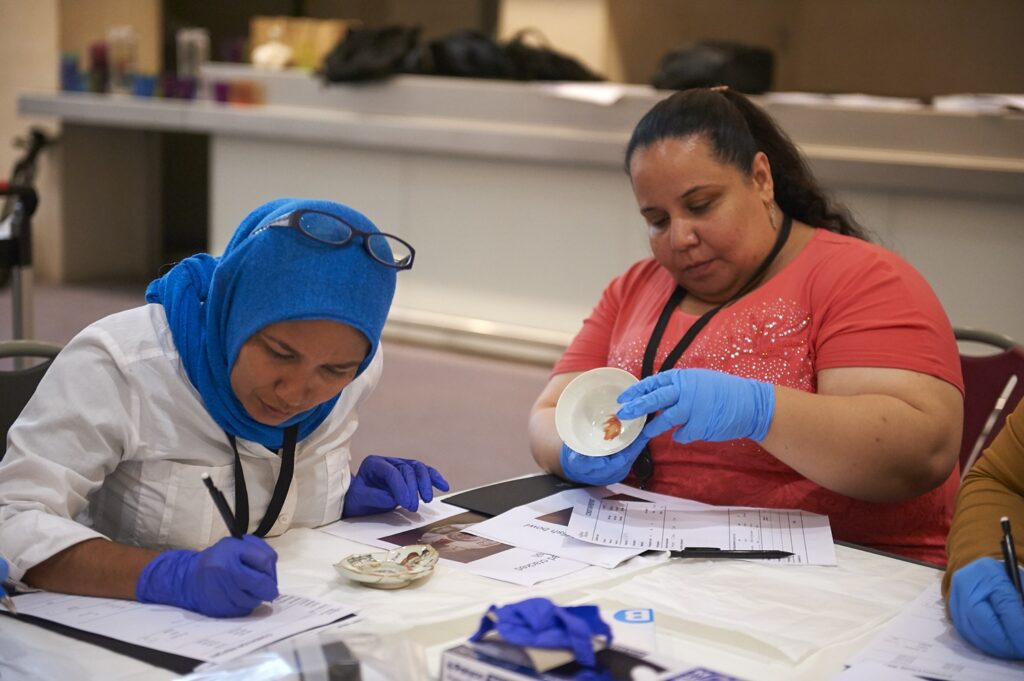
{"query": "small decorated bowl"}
pixel 392 569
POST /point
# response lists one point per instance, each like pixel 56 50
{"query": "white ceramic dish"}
pixel 585 406
pixel 390 569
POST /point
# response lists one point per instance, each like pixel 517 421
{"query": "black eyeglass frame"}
pixel 294 220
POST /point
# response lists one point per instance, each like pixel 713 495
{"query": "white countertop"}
pixel 972 153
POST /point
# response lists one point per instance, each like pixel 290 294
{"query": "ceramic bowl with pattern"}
pixel 390 569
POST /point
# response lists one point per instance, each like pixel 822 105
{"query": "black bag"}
pixel 744 68
pixel 371 53
pixel 468 54
pixel 542 62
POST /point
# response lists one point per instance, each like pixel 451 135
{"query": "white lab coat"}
pixel 115 439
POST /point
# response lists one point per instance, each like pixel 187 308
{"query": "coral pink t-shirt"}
pixel 841 302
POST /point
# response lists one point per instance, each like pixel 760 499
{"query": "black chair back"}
pixel 17 385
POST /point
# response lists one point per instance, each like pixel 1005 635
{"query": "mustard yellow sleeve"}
pixel 993 488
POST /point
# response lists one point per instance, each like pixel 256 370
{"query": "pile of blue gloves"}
pixel 539 623
pixel 702 405
pixel 987 610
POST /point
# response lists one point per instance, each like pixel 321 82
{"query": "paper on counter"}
pixel 851 100
pixel 603 94
pixel 642 525
pixel 979 103
pixel 922 641
pixel 449 530
pixel 182 632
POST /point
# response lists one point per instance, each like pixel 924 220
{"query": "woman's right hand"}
pixel 229 579
pixel 600 470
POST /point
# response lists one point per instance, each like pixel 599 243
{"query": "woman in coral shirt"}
pixel 790 363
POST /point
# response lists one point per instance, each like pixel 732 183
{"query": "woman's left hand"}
pixel 704 404
pixel 385 482
pixel 987 610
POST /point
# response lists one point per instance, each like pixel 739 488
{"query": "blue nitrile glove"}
pixel 539 623
pixel 600 470
pixel 709 405
pixel 384 482
pixel 4 572
pixel 228 579
pixel 987 610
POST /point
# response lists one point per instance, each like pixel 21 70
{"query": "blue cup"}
pixel 70 76
pixel 143 85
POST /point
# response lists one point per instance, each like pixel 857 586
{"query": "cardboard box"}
pixel 309 39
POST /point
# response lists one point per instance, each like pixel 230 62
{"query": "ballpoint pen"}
pixel 222 505
pixel 1010 556
pixel 712 552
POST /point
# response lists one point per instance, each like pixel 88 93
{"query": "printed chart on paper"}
pixel 645 525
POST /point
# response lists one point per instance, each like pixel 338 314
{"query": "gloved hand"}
pixel 384 482
pixel 228 579
pixel 987 610
pixel 600 470
pixel 709 405
pixel 539 623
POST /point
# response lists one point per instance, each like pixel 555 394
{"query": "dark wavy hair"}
pixel 737 129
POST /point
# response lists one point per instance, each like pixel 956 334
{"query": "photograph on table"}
pixel 449 538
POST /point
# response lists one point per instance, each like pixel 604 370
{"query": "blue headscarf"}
pixel 215 304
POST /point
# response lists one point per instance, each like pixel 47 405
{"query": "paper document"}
pixel 182 632
pixel 447 528
pixel 979 103
pixel 922 641
pixel 542 525
pixel 643 525
pixel 845 101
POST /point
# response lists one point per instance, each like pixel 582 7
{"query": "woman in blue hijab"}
pixel 241 376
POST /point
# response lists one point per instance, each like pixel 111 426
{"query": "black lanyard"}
pixel 284 481
pixel 643 467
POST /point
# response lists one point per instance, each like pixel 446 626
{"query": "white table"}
pixel 732 616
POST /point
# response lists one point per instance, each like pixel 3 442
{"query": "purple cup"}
pixel 169 85
pixel 186 88
pixel 221 90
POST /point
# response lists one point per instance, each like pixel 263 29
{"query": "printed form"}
pixel 921 640
pixel 181 632
pixel 642 525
